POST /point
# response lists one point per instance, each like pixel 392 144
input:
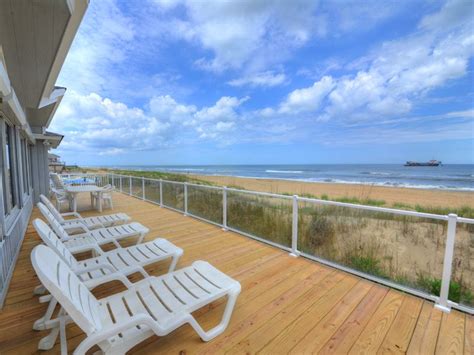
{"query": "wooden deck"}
pixel 287 305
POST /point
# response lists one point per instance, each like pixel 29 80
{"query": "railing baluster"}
pixel 185 198
pixel 130 185
pixel 143 188
pixel 224 208
pixel 443 302
pixel 161 192
pixel 294 228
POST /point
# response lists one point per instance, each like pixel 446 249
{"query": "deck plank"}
pixel 374 333
pixel 426 332
pixel 451 333
pixel 286 303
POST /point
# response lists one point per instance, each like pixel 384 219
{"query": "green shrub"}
pixel 321 231
pixel 457 292
pixel 367 264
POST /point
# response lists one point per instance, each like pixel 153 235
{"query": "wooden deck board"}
pixel 286 304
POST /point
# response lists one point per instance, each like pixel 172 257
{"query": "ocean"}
pixel 451 177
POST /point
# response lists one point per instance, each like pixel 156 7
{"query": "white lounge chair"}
pixel 108 266
pixel 90 222
pixel 77 242
pixel 153 306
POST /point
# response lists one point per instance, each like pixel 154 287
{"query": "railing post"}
pixel 224 208
pixel 120 181
pixel 443 301
pixel 143 188
pixel 185 198
pixel 294 229
pixel 112 179
pixel 161 192
pixel 130 185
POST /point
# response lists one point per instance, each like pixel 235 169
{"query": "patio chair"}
pixel 90 222
pixel 107 266
pixel 105 195
pixel 57 181
pixel 77 242
pixel 61 198
pixel 153 306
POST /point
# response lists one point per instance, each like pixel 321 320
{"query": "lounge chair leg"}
pixel 140 238
pixel 63 339
pixel 174 262
pixel 218 329
pixel 40 324
pixel 48 341
pixel 39 290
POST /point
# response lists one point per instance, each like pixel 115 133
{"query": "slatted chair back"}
pixel 51 208
pixel 58 278
pixel 51 240
pixel 53 222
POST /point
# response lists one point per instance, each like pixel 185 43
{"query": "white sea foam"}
pixel 284 171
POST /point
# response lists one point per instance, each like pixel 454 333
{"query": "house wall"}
pixel 39 155
pixel 14 217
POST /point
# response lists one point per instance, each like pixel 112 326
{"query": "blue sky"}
pixel 253 82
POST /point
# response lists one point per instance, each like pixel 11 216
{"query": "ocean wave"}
pixel 389 184
pixel 376 173
pixel 284 171
pixel 184 169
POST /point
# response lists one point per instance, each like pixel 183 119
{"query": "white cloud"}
pixel 307 99
pixel 453 13
pixel 99 125
pixel 267 78
pixel 93 123
pixel 104 41
pixel 252 33
pixel 397 75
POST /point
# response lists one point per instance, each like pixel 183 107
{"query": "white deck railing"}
pixel 296 211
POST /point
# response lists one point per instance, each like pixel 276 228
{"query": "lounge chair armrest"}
pixel 87 247
pixel 71 214
pixel 116 276
pixel 139 319
pixel 76 225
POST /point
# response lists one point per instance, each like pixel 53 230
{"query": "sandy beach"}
pixel 391 195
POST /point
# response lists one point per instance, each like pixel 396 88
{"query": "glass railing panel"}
pixel 404 249
pixel 461 289
pixel 152 190
pixel 173 195
pixel 205 202
pixel 137 187
pixel 125 185
pixel 265 217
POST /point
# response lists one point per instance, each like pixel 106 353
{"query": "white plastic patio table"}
pixel 75 190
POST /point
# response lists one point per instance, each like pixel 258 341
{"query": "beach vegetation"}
pixel 457 291
pixel 386 245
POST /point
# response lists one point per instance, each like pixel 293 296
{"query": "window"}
pixel 24 165
pixel 29 166
pixel 9 199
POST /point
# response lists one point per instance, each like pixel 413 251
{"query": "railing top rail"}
pixel 375 208
pixel 205 186
pixel 259 193
pixel 315 200
pixel 465 220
